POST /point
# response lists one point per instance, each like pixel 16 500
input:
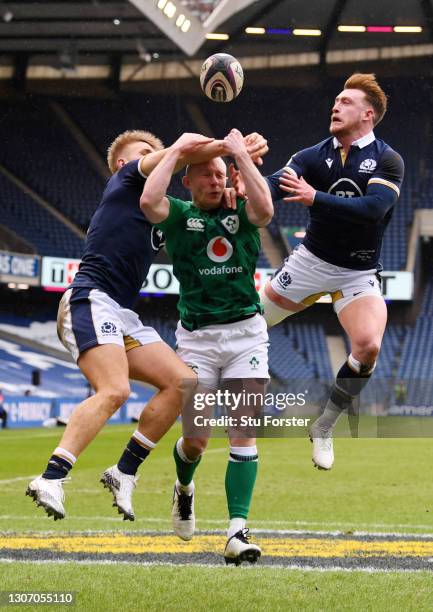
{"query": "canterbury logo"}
pixel 195 225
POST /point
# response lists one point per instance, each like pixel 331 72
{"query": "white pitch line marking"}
pixel 255 530
pixel 8 480
pixel 221 566
pixel 42 434
pixel 257 523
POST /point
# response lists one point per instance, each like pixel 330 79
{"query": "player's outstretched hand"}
pixel 257 146
pixel 237 190
pixel 237 181
pixel 229 198
pixel 234 144
pixel 188 142
pixel 299 189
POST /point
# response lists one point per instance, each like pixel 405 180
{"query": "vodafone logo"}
pixel 219 249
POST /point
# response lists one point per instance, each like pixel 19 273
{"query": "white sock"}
pixel 64 454
pixel 357 366
pixel 143 440
pixel 187 489
pixel 181 452
pixel 243 451
pixel 236 524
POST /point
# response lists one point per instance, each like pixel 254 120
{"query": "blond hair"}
pixel 126 138
pixel 372 90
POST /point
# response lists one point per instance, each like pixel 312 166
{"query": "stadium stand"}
pixel 36 224
pixel 415 368
pixel 39 150
pixel 57 378
pixel 299 351
pixel 39 329
pixel 102 120
pixel 285 360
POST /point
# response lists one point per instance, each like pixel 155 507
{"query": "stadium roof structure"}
pixel 121 40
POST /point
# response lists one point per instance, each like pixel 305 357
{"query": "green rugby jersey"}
pixel 214 255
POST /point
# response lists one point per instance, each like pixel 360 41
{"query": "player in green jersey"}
pixel 221 333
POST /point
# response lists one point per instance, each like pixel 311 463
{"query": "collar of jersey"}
pixel 361 142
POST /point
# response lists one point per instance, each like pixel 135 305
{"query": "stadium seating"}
pixel 299 351
pixel 102 120
pixel 39 150
pixel 58 377
pixel 415 368
pixel 36 224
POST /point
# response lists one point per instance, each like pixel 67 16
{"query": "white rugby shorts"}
pixel 304 278
pixel 89 317
pixel 223 351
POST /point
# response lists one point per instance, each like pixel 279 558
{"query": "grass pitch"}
pixel 202 589
pixel 376 486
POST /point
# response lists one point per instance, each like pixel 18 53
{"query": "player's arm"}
pixel 153 203
pixel 259 208
pixel 255 144
pixel 381 195
pixel 296 166
pixel 370 208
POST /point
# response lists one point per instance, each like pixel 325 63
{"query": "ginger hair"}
pixel 372 90
pixel 126 138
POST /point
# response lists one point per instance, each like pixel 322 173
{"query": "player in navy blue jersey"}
pixel 105 337
pixel 350 183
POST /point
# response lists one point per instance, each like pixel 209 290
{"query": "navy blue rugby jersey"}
pixel 354 200
pixel 121 244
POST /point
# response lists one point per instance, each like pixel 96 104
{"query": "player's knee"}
pixel 180 387
pixel 115 396
pixel 194 447
pixel 368 350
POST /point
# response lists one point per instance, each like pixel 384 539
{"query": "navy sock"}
pixel 57 467
pixel 350 382
pixel 133 456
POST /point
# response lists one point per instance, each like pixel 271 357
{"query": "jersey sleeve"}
pixel 242 213
pixel 130 173
pixel 389 171
pixel 175 214
pixel 296 165
pixel 369 208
